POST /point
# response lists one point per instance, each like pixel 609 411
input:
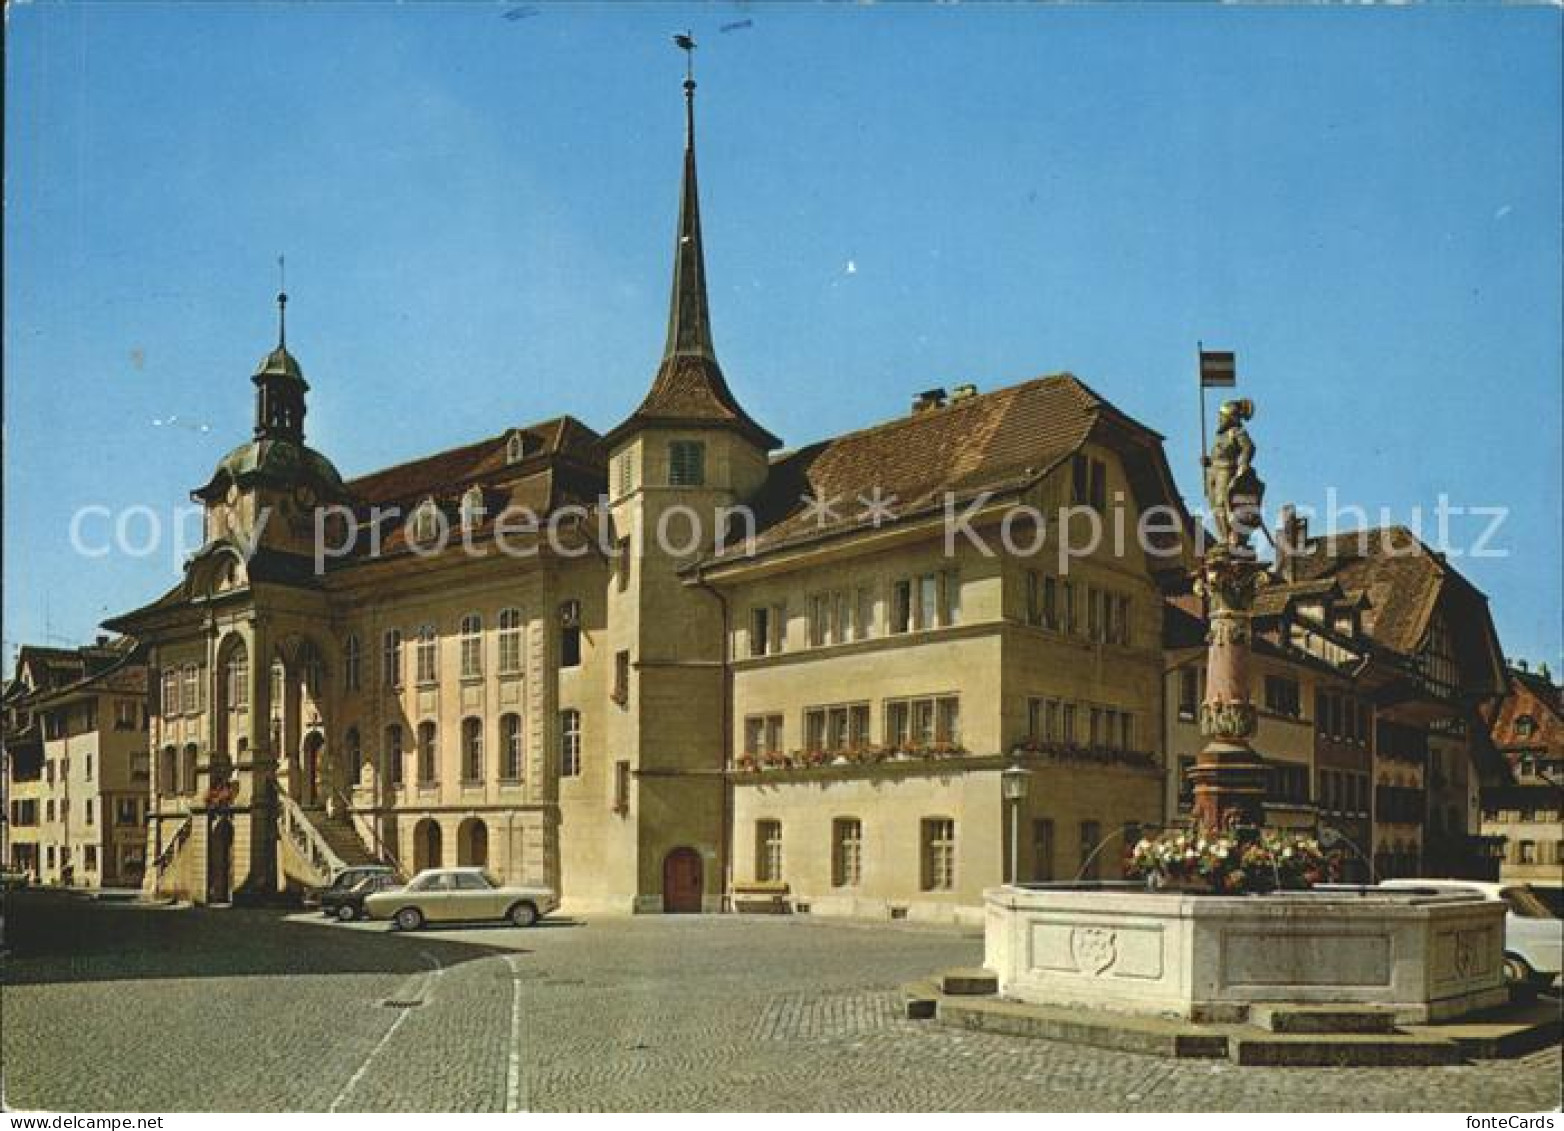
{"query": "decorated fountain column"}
pixel 1229 777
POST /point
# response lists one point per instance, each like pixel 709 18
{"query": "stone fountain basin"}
pixel 1427 957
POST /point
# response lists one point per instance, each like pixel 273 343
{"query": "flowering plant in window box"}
pixel 1225 864
pixel 1075 752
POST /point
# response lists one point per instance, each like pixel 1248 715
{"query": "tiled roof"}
pixel 1000 440
pixel 1401 578
pixel 448 472
pixel 690 389
pixel 1529 695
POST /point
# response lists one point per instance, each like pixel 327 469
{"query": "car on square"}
pixel 460 895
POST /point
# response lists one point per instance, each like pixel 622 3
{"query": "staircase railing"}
pixel 364 826
pixel 306 838
pixel 165 856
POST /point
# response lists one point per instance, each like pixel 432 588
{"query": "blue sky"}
pixel 477 214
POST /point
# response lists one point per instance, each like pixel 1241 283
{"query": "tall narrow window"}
pixel 570 634
pixel 1188 692
pixel 1042 849
pixel 472 750
pixel 1091 837
pixel 391 659
pixel 768 851
pixel 686 463
pixel 939 854
pixel 428 753
pixel 570 744
pixel 846 852
pixel 170 692
pixel 510 747
pixel 352 663
pixel 190 689
pixel 621 786
pixel 473 509
pixel 510 641
pixel 901 605
pixel 355 748
pixel 759 631
pixel 621 692
pixel 472 646
pixel 427 655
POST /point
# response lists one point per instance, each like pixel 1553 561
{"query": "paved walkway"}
pixel 114 1008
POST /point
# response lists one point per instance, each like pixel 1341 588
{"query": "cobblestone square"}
pixel 119 1008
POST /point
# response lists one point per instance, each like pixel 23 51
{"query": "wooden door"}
pixel 682 884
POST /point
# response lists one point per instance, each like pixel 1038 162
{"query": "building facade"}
pixel 77 766
pixel 1527 729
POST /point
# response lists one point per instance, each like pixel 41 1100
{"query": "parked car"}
pixel 1533 934
pixel 345 881
pixel 13 880
pixel 449 895
pixel 348 904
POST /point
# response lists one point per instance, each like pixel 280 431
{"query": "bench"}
pixel 766 898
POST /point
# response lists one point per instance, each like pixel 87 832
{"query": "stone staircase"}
pixel 339 833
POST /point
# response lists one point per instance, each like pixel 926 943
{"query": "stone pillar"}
pixel 1229 777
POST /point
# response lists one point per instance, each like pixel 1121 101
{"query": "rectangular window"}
pixel 901 606
pixel 762 734
pixel 1126 731
pixel 1091 837
pixel 570 634
pixel 1188 693
pixel 1067 723
pixel 621 692
pixel 898 725
pixel 1093 614
pixel 510 641
pixel 939 854
pixel 89 810
pixel 472 648
pixel 1034 597
pixel 768 851
pixel 1281 696
pixel 759 631
pixel 427 655
pixel 1089 483
pixel 570 744
pixel 686 463
pixel 1042 849
pixel 814 729
pixel 393 754
pixel 846 852
pixel 391 661
pixel 621 786
pixel 1069 617
pixel 819 617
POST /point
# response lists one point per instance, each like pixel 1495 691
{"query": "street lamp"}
pixel 1015 782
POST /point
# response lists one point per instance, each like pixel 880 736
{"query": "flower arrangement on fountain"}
pixel 1228 864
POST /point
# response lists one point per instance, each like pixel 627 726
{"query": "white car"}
pixel 1533 935
pixel 455 895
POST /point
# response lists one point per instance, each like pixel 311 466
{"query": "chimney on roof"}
pixel 1522 665
pixel 1291 536
pixel 962 393
pixel 928 400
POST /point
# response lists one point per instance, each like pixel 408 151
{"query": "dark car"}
pixel 348 905
pixel 345 881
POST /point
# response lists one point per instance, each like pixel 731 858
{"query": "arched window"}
pixel 472 508
pixel 428 760
pixel 570 744
pixel 355 750
pixel 393 754
pixel 427 655
pixel 238 678
pixel 472 646
pixel 311 669
pixel 391 659
pixel 510 748
pixel 472 750
pixel 352 663
pixel 427 847
pixel 472 843
pixel 510 641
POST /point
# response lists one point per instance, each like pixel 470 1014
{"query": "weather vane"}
pixel 686 43
pixel 282 301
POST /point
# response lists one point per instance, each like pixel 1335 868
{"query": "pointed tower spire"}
pixel 689 315
pixel 689 388
pixel 282 303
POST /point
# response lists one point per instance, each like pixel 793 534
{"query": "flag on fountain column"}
pixel 1218 369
